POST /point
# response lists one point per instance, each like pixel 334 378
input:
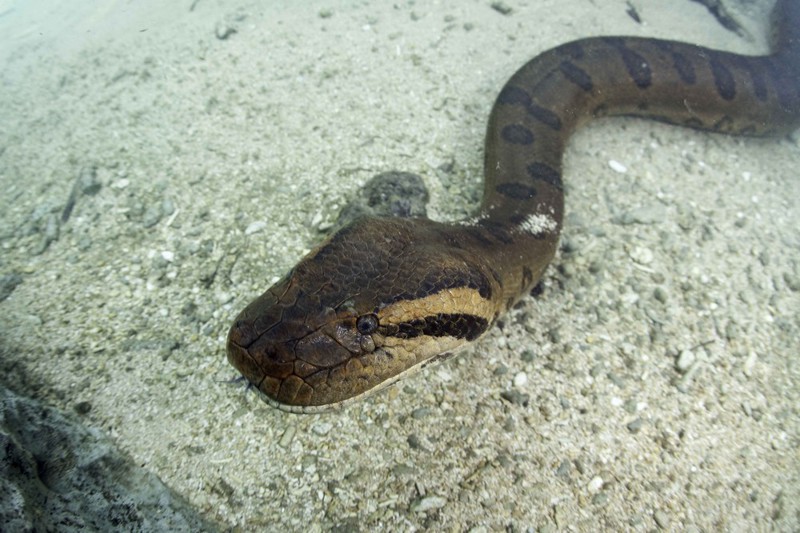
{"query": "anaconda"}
pixel 386 296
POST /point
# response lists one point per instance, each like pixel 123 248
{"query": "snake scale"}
pixel 383 297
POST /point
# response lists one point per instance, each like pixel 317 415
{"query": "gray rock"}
pixel 57 475
pixel 390 194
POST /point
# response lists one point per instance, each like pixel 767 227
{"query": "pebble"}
pixel 792 281
pixel 502 8
pixel 83 408
pixel 520 379
pixel 661 295
pixel 167 207
pixel 749 364
pixel 223 30
pixel 563 469
pixel 255 227
pixel 152 216
pixel 688 377
pixel 662 520
pixel 414 442
pixel 643 256
pixel 635 426
pixel 601 498
pixel 287 437
pixel 616 166
pixel 8 283
pixel 88 183
pixel 322 429
pixel 595 484
pixel 51 231
pixel 516 397
pixel 616 380
pixel 428 503
pixel 631 406
pixel 420 413
pixel 685 360
pixel 647 214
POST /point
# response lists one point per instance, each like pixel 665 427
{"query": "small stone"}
pixel 255 227
pixel 749 364
pixel 515 397
pixel 616 166
pixel 685 360
pixel 792 281
pixel 563 469
pixel 643 256
pixel 287 437
pixel 87 181
pixel 630 406
pixel 224 30
pixel 662 520
pixel 661 295
pixel 83 408
pixel 648 214
pixel 152 216
pixel 616 380
pixel 415 442
pixel 322 429
pixel 420 413
pixel 595 484
pixel 167 207
pixel 601 498
pixel 502 8
pixel 635 426
pixel 8 283
pixel 428 503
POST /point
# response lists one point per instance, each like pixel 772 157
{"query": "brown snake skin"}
pixel 386 296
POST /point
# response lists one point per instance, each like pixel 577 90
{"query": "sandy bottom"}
pixel 208 142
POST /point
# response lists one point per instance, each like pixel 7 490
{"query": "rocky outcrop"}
pixel 57 475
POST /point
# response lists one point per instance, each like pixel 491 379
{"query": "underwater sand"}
pixel 212 141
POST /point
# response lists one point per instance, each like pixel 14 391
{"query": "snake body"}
pixel 386 296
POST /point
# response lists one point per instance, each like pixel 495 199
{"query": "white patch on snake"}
pixel 536 224
pixel 472 221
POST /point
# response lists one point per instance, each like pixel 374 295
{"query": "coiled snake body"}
pixel 386 296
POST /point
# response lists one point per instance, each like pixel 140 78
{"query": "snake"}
pixel 384 297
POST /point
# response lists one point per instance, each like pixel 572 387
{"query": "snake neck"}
pixel 547 99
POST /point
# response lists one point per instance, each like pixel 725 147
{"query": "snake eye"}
pixel 367 324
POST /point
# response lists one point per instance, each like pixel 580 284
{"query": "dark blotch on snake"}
pixel 516 134
pixel 518 191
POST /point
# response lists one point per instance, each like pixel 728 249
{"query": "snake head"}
pixel 365 308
